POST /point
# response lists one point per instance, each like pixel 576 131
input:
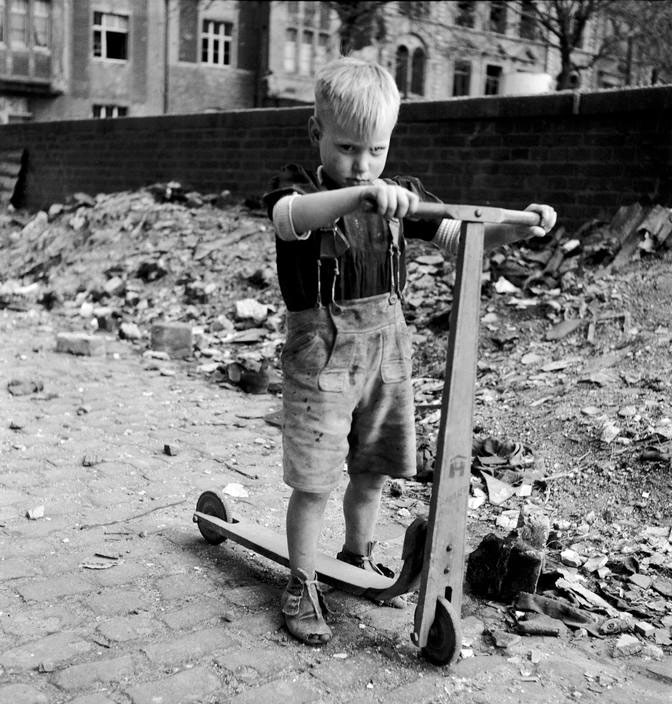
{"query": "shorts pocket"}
pixel 396 364
pixel 304 350
pixel 335 374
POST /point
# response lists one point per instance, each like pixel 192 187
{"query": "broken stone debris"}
pixel 80 344
pixel 24 387
pixel 176 339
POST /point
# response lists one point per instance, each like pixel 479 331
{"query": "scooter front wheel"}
pixel 444 639
pixel 212 504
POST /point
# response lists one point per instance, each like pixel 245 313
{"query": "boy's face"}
pixel 347 158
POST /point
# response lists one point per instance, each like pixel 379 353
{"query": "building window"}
pixel 41 24
pixel 306 53
pixel 493 77
pixel 290 51
pixel 321 51
pixel 106 111
pixel 216 43
pixel 309 13
pixel 465 13
pixel 18 22
pixel 2 21
pixel 418 72
pixel 325 16
pixel 401 74
pixel 498 16
pixel 528 23
pixel 462 78
pixel 307 39
pixel 110 36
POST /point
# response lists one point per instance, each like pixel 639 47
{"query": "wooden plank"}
pixel 330 570
pixel 443 569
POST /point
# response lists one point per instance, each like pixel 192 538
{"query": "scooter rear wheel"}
pixel 212 504
pixel 445 635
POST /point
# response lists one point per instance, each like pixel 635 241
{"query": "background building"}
pixel 77 59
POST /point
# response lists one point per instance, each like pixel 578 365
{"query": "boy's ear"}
pixel 314 130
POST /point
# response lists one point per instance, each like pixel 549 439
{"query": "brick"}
pixel 115 601
pixel 120 574
pixel 251 665
pixel 204 610
pixel 253 596
pixel 119 630
pixel 22 694
pixel 191 647
pixel 278 691
pixel 174 338
pixel 351 675
pixel 89 674
pixel 80 344
pixel 421 691
pixel 91 699
pixel 16 568
pixel 50 589
pixel 182 585
pixel 193 685
pixel 32 622
pixel 54 650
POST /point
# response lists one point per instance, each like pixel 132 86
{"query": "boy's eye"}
pixel 377 150
pixel 346 147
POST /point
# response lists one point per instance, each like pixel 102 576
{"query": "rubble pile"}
pixel 118 264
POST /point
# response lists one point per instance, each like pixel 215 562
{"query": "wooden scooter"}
pixel 434 549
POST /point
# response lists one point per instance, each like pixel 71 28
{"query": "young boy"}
pixel 347 392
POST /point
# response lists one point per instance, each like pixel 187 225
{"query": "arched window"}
pixel 402 70
pixel 418 72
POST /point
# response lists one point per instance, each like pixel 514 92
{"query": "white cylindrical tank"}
pixel 525 83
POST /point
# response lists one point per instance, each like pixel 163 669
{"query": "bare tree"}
pixel 632 33
pixel 644 28
pixel 362 24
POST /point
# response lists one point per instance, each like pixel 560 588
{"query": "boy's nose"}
pixel 360 166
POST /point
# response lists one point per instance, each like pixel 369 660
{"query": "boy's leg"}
pixel 302 600
pixel 304 522
pixel 360 509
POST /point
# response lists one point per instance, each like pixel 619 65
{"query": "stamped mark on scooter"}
pixel 457 465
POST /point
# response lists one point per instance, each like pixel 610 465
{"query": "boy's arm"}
pixel 295 216
pixel 497 235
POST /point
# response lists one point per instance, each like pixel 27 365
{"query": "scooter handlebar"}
pixel 477 213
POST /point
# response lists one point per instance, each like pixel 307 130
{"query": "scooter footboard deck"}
pixel 329 570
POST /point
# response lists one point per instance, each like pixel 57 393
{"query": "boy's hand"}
pixel 548 218
pixel 389 200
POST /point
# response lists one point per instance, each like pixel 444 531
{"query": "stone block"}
pixel 174 338
pixel 501 568
pixel 80 344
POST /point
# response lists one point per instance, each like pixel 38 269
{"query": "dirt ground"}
pixel 578 424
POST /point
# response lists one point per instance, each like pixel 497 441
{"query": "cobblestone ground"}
pixel 112 595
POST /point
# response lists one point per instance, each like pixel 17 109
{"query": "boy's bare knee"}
pixel 367 482
pixel 310 498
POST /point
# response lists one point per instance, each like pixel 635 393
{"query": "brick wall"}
pixel 585 154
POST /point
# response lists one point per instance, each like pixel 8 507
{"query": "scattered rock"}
pixel 626 645
pixel 80 344
pixel 35 513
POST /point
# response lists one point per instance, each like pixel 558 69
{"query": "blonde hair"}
pixel 359 94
